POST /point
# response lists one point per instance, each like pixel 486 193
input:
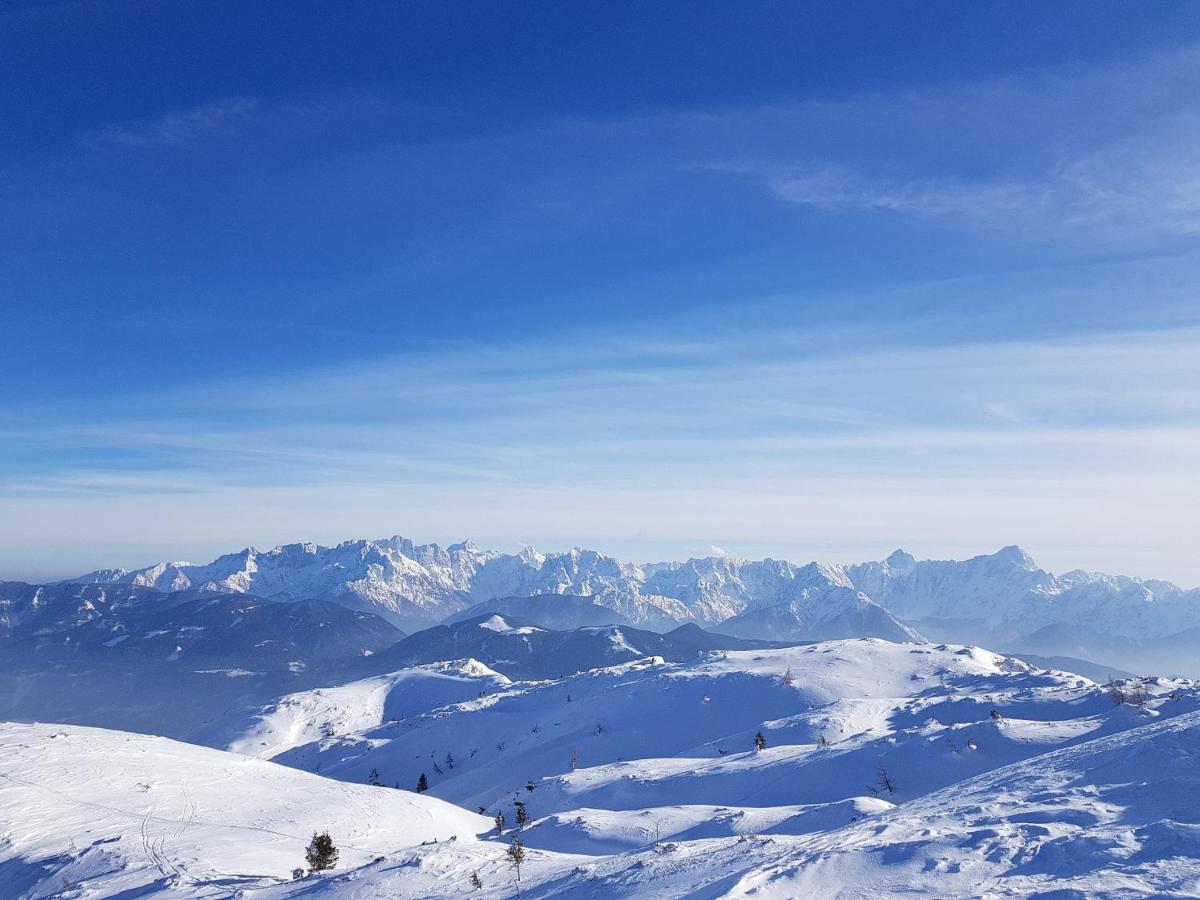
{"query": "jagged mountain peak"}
pixel 1014 555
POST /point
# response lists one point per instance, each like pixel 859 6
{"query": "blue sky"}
pixel 802 280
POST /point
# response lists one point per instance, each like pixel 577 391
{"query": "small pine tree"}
pixel 422 784
pixel 449 760
pixel 574 760
pixel 476 881
pixel 760 742
pixel 321 855
pixel 824 743
pixel 373 778
pixel 522 816
pixel 788 678
pixel 529 786
pixel 516 856
pixel 500 822
pixel 883 779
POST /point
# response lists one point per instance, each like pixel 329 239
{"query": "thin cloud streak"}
pixel 1108 156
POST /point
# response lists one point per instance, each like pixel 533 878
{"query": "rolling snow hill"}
pixel 308 716
pixel 919 791
pixel 86 812
pixel 649 732
pixel 932 770
pixel 1112 817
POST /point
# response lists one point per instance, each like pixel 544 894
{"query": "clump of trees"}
pixel 322 855
pixel 1128 692
pixel 422 784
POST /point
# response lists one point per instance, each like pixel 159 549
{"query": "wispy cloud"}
pixel 1087 154
pixel 1130 192
pixel 179 128
pixel 699 441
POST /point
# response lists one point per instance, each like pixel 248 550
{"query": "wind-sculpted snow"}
pixel 944 772
pixel 301 718
pixel 650 733
pixel 886 768
pixel 1113 817
pixel 1002 599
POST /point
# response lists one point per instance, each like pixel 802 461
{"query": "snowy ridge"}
pixel 307 716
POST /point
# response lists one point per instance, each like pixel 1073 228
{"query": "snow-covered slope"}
pixel 918 789
pixel 1113 817
pixel 649 732
pixel 308 716
pixel 91 813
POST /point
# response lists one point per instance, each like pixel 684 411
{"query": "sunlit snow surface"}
pixel 645 783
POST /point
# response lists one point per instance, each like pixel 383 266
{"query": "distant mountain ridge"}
pixel 416 586
pixel 1000 599
pixel 523 650
pixel 1004 599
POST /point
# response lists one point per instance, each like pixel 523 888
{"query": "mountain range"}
pixel 1002 599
